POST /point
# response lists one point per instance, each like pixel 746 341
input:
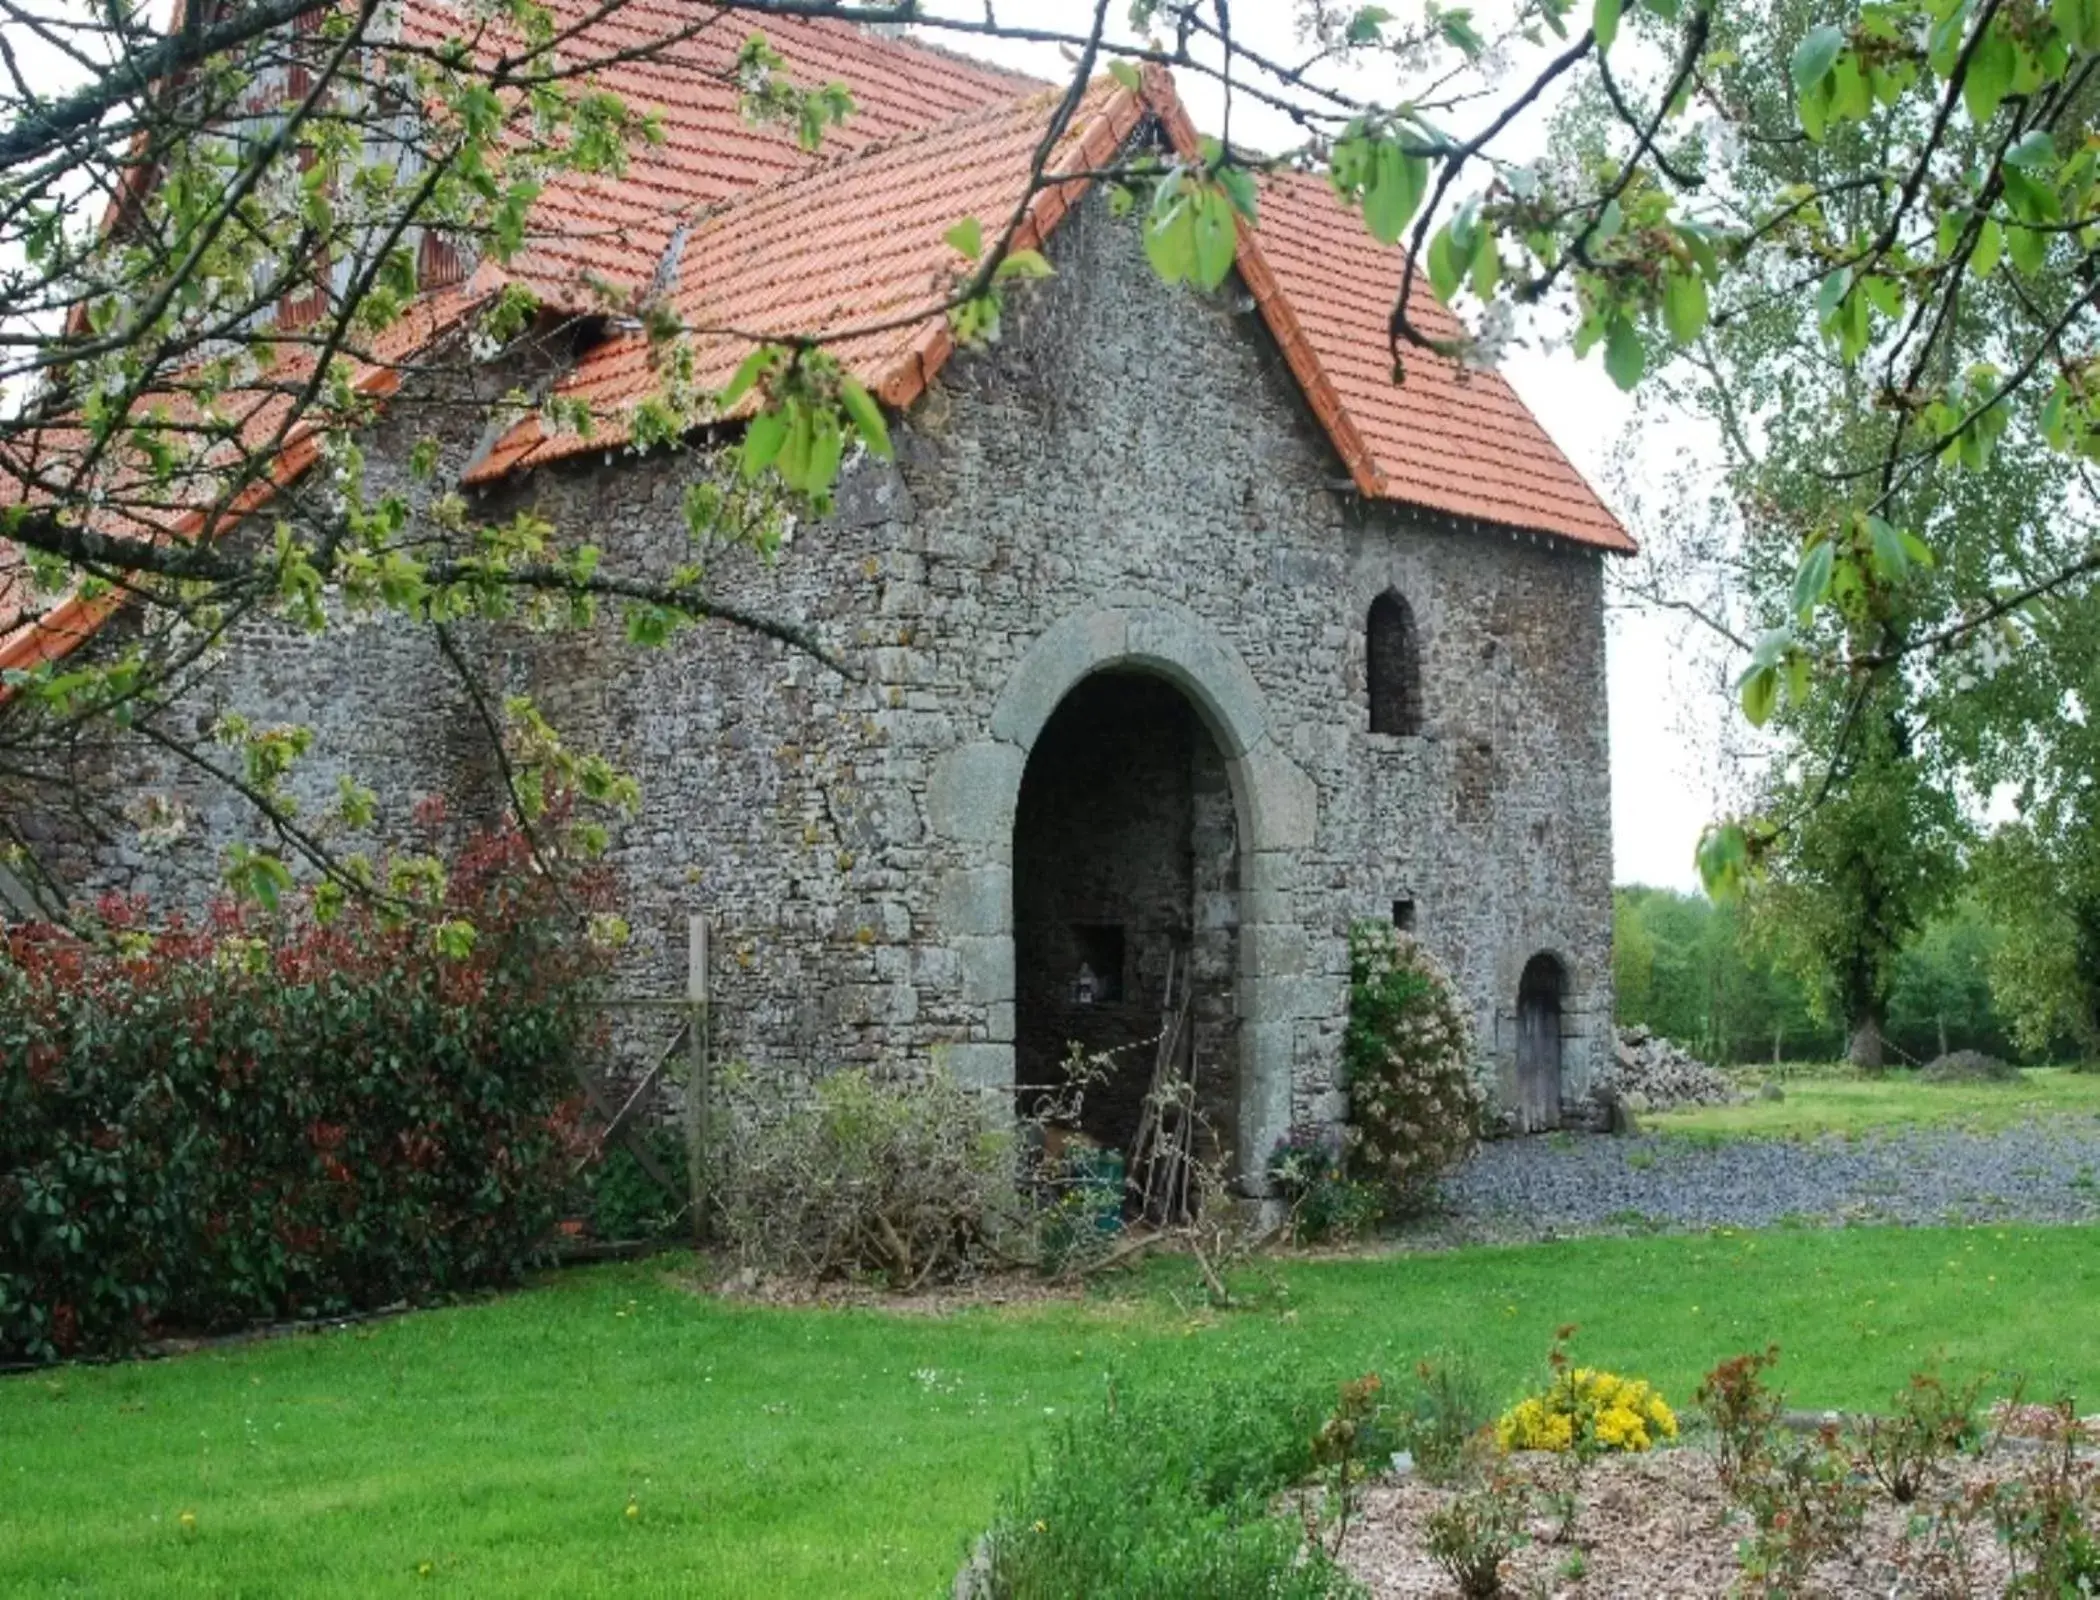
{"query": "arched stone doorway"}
pixel 1126 914
pixel 1540 992
pixel 972 799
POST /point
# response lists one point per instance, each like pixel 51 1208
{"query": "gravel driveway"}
pixel 1591 1183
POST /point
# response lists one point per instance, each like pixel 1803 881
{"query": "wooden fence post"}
pixel 698 1090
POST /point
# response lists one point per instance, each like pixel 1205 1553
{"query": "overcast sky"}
pixel 1666 719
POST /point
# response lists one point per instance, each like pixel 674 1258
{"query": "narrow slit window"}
pixel 1393 657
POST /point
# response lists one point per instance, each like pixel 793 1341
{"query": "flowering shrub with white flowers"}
pixel 1416 1102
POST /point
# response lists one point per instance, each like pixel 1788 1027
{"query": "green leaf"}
pixel 1023 264
pixel 2034 149
pixel 1367 25
pixel 1814 56
pixel 1217 238
pixel 1698 243
pixel 1624 355
pixel 1760 694
pixel 1772 647
pixel 1684 305
pixel 1394 192
pixel 2078 21
pixel 1812 578
pixel 867 416
pixel 1170 243
pixel 747 373
pixel 1238 184
pixel 1891 560
pixel 1604 23
pixel 1991 67
pixel 1814 110
pixel 1455 27
pixel 764 436
pixel 1830 295
pixel 967 237
pixel 2029 249
pixel 2030 199
pixel 1850 99
pixel 827 448
pixel 1446 269
pixel 1917 549
pixel 1487 264
pixel 1127 75
pixel 1723 856
pixel 1990 243
pixel 1799 674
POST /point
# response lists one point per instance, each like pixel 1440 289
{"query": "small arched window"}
pixel 1395 667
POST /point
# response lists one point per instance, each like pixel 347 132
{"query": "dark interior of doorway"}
pixel 1124 865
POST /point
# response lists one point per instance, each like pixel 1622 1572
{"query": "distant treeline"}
pixel 1699 973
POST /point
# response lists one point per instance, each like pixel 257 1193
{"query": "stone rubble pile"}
pixel 1650 1073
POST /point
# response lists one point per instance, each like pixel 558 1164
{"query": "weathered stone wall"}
pixel 1130 480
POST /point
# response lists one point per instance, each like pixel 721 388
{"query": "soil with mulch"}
pixel 1654 1526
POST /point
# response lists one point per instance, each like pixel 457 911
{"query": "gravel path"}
pixel 1590 1183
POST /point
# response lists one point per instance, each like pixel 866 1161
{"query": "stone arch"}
pixel 975 787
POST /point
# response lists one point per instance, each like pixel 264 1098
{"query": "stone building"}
pixel 1180 634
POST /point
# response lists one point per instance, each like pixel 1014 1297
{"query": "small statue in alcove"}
pixel 1086 988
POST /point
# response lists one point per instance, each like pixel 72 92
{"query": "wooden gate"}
pixel 625 1121
pixel 1538 1045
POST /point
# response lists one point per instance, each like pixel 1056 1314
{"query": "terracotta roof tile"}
pixel 857 239
pixel 783 240
pixel 1450 438
pixel 855 244
pixel 616 228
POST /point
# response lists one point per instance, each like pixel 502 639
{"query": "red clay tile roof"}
pixel 616 228
pixel 855 244
pixel 857 238
pixel 1450 438
pixel 783 240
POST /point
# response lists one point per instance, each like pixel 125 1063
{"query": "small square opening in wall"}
pixel 1097 977
pixel 1404 915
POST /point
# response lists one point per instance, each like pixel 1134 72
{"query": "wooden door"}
pixel 1538 1046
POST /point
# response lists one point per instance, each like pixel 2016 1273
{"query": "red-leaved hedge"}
pixel 263 1117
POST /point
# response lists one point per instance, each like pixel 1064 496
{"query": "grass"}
pixel 1852 1106
pixel 773 1451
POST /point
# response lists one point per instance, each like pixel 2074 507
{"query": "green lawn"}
pixel 1852 1106
pixel 803 1452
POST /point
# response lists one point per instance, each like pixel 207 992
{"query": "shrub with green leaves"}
pixel 1416 1103
pixel 1171 1490
pixel 270 1115
pixel 1327 1206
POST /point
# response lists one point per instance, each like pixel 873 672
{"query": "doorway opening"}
pixel 1539 995
pixel 1126 937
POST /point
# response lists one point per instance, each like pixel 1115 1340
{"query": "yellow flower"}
pixel 1587 1407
